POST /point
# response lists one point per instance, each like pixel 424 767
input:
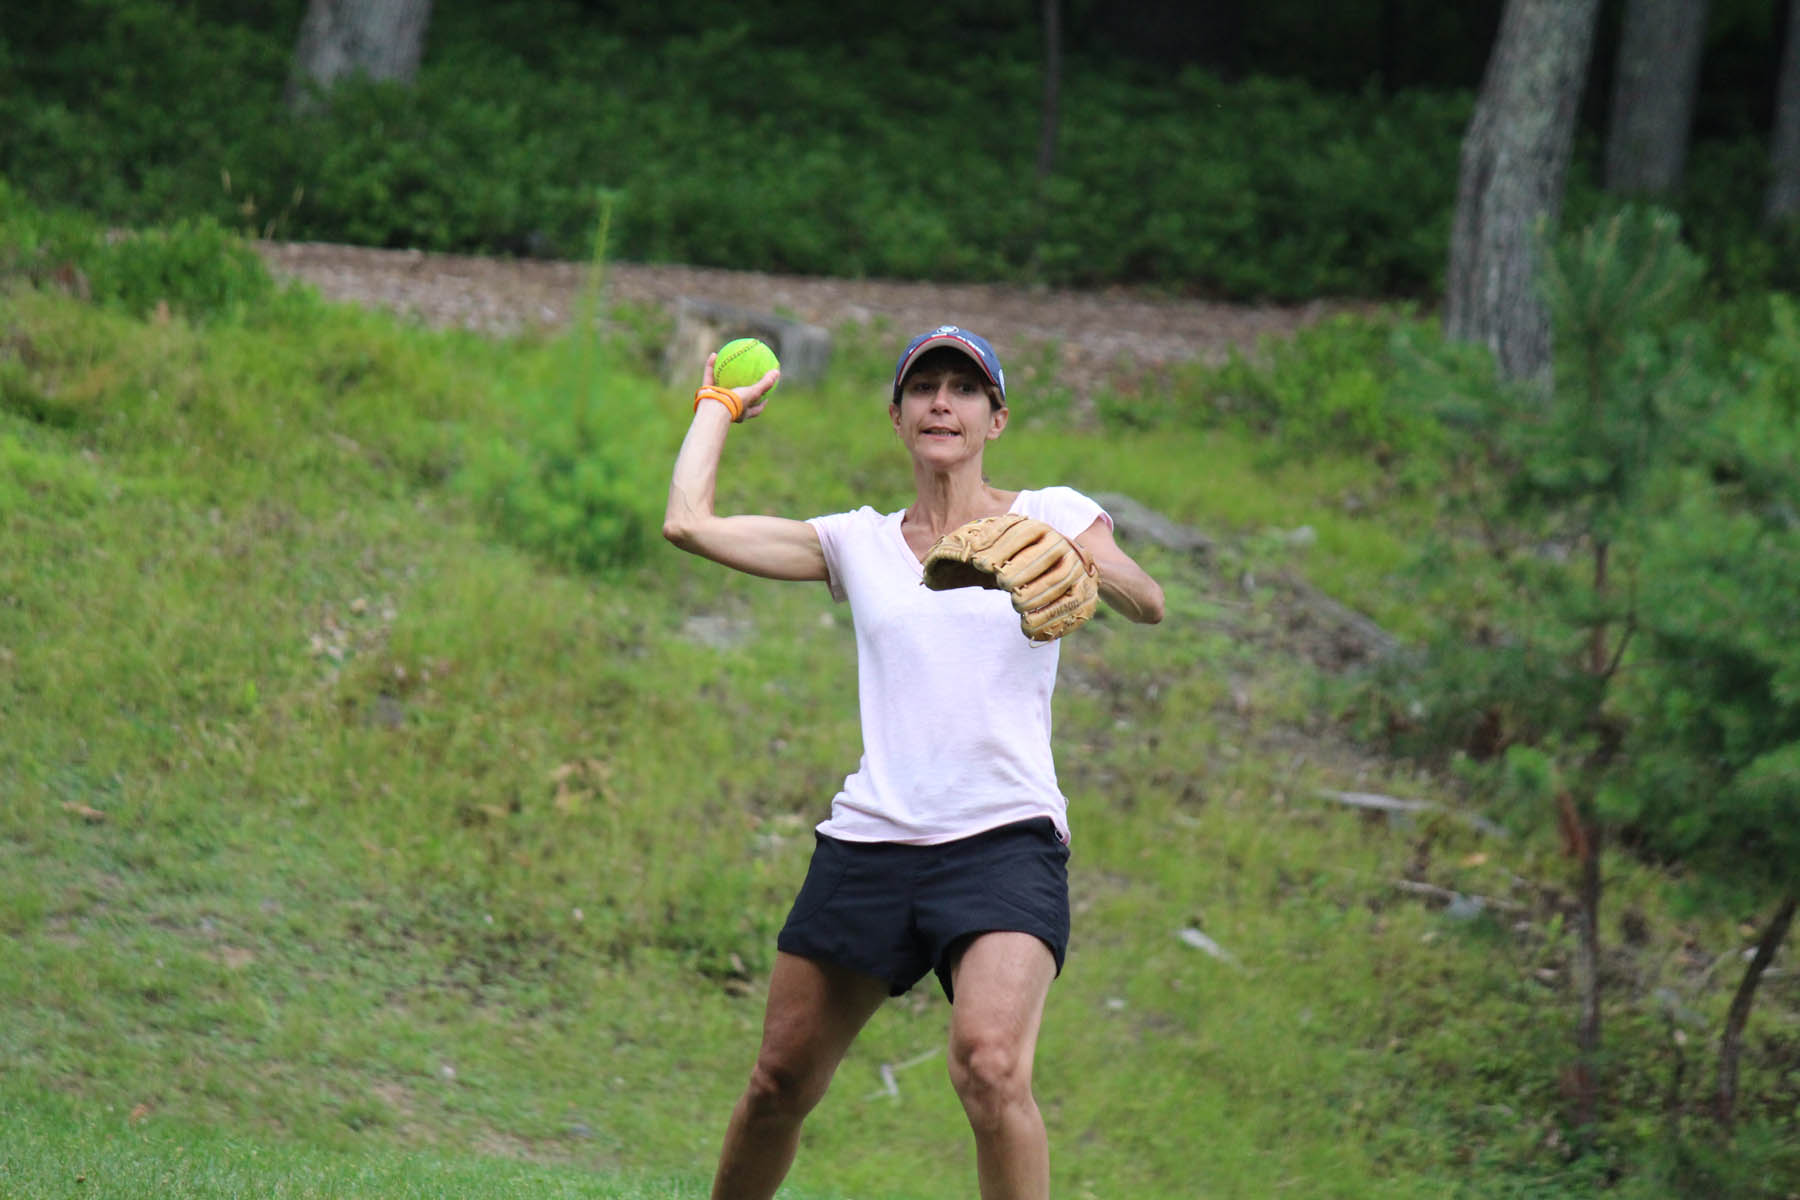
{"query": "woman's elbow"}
pixel 678 532
pixel 1153 611
pixel 1150 606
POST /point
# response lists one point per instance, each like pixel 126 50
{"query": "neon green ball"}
pixel 743 362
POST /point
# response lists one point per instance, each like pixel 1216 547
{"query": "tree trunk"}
pixel 1783 201
pixel 1515 160
pixel 1731 1045
pixel 1581 838
pixel 1388 47
pixel 1655 80
pixel 382 39
pixel 1049 117
pixel 1597 636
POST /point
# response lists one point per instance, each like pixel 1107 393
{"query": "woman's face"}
pixel 945 414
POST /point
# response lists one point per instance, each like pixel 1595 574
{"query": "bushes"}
pixel 1718 708
pixel 196 267
pixel 1264 188
pixel 828 162
pixel 1339 386
pixel 833 159
pixel 130 110
pixel 1649 495
pixel 433 167
pixel 574 485
pixel 579 481
pixel 1331 387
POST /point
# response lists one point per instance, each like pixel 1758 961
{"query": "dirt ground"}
pixel 1095 332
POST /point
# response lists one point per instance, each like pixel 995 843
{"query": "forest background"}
pixel 356 897
pixel 1282 150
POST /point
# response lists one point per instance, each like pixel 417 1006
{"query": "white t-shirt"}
pixel 954 698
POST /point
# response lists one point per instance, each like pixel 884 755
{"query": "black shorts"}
pixel 896 911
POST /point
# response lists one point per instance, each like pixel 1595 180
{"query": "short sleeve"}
pixel 1066 510
pixel 834 533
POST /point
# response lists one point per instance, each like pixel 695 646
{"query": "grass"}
pixel 54 1151
pixel 352 848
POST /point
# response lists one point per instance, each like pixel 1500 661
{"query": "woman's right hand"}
pixel 752 397
pixel 772 547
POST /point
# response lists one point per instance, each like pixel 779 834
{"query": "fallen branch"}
pixel 1379 803
pixel 1464 902
pixel 890 1084
pixel 1199 941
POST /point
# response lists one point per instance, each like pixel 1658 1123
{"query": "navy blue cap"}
pixel 971 344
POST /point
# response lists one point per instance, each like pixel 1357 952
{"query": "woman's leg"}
pixel 815 1011
pixel 1001 982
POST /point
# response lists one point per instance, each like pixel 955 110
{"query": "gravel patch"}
pixel 1095 334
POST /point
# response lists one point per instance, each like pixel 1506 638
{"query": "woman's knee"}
pixel 780 1088
pixel 990 1073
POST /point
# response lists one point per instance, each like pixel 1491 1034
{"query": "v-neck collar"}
pixel 896 526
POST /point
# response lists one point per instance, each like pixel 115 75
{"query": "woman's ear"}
pixel 997 422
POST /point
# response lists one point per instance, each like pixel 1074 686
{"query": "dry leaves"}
pixel 579 781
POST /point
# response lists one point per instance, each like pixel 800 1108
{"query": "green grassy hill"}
pixel 352 846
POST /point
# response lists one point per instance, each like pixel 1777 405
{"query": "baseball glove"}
pixel 1053 582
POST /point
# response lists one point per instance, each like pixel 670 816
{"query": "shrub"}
pixel 580 481
pixel 835 162
pixel 1263 188
pixel 575 485
pixel 130 109
pixel 1332 387
pixel 1559 484
pixel 1717 708
pixel 35 244
pixel 438 166
pixel 1721 204
pixel 196 267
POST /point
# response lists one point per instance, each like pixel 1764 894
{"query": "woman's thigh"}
pixel 1002 981
pixel 815 1010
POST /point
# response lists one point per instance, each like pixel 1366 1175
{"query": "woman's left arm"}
pixel 1123 584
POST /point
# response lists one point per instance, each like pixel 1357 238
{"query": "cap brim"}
pixel 955 342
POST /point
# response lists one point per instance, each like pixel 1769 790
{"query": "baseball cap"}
pixel 971 344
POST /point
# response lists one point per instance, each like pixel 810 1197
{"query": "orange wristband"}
pixel 724 396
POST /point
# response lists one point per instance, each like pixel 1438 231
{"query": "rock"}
pixel 702 326
pixel 1137 522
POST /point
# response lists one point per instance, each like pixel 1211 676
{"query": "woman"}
pixel 945 851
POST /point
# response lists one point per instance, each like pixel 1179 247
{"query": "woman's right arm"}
pixel 773 547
